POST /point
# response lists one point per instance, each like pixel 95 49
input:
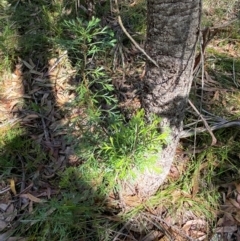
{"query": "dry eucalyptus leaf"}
pixel 234 203
pixel 30 117
pixel 16 239
pixel 153 235
pixel 29 66
pixel 36 72
pixel 237 185
pixel 3 207
pixel 10 213
pixel 32 198
pixel 3 225
pixel 226 229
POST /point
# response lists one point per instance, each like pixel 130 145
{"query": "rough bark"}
pixel 173 27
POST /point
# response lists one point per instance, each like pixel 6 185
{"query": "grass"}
pixel 224 69
pixel 134 17
pixel 219 11
pixel 81 197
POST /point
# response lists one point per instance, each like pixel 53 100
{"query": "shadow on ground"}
pixel 40 199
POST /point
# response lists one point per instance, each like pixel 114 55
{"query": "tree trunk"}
pixel 173 27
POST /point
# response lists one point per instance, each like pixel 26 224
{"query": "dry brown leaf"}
pixel 52 61
pixel 169 220
pixel 229 190
pixel 237 185
pixel 224 103
pixel 29 66
pixel 46 85
pixel 49 191
pixel 41 80
pixel 30 207
pixel 199 222
pixel 152 235
pixel 3 206
pixel 234 203
pixel 197 233
pixel 5 236
pixel 238 235
pixel 18 71
pixel 34 90
pixel 36 72
pixel 196 222
pixel 226 229
pixel 38 138
pixel 228 220
pixel 178 193
pixel 220 222
pixel 13 104
pixel 61 99
pixel 174 173
pixel 3 225
pixel 16 239
pixel 216 96
pixel 132 201
pixel 58 124
pixel 44 98
pixel 30 117
pixel 238 198
pixel 237 217
pixel 32 198
pixel 10 213
pixel 210 80
pixel 31 62
pixel 195 182
pixel 202 238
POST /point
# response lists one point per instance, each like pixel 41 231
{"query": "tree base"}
pixel 148 182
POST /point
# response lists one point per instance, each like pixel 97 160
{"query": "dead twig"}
pixel 6 189
pixel 175 229
pixel 214 140
pixel 160 228
pixel 120 232
pixel 217 126
pixel 131 38
pixel 59 59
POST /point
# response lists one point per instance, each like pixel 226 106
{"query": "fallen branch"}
pixel 214 140
pixel 226 124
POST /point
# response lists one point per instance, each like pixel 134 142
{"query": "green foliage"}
pixel 214 14
pixel 134 16
pixel 121 150
pixel 135 144
pixel 109 148
pixel 8 39
pixel 85 39
pixel 65 218
pixel 15 143
pixel 225 68
pixel 85 42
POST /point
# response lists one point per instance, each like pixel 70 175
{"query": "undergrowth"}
pixel 108 147
pixel 119 151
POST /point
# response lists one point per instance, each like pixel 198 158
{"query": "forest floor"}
pixel 65 79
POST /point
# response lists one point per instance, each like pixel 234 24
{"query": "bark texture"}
pixel 173 27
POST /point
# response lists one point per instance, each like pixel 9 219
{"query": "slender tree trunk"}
pixel 172 35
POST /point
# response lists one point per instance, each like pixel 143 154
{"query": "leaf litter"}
pixel 50 90
pixel 46 126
